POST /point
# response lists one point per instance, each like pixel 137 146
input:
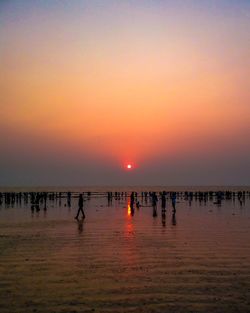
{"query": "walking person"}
pixel 163 201
pixel 174 202
pixel 80 207
pixel 154 204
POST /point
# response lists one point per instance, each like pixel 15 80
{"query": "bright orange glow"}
pixel 129 210
pixel 125 93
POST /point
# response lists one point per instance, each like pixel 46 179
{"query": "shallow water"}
pixel 197 260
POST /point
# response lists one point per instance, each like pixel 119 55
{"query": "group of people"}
pixel 134 201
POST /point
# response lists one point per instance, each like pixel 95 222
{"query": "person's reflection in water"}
pixel 154 211
pixel 173 219
pixel 32 208
pixel 163 218
pixel 132 209
pixel 80 225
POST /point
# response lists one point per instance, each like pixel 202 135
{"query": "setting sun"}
pixel 130 166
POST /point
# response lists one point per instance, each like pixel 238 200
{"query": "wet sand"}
pixel 195 261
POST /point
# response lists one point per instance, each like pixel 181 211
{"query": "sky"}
pixel 88 87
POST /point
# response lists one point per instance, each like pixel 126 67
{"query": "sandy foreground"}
pixel 195 261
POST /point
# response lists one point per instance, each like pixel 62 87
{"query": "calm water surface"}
pixel 197 260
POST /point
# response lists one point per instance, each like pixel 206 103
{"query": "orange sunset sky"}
pixel 87 87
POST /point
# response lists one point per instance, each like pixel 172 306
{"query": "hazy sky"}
pixel 87 87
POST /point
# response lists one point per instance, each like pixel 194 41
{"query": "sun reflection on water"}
pixel 129 210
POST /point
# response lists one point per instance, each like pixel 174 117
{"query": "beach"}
pixel 194 260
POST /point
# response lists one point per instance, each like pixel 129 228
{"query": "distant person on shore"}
pixel 154 200
pixel 154 204
pixel 69 199
pixel 132 199
pixel 80 207
pixel 163 202
pixel 174 202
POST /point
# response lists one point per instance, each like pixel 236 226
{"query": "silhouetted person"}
pixel 69 199
pixel 154 199
pixel 154 204
pixel 190 200
pixel 132 199
pixel 80 207
pixel 163 202
pixel 45 200
pixel 174 202
pixel 110 196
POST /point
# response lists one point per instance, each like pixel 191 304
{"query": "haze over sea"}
pixel 91 86
pixel 120 188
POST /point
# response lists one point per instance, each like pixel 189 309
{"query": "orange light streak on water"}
pixel 129 210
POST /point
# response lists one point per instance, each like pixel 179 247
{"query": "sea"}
pixel 194 257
